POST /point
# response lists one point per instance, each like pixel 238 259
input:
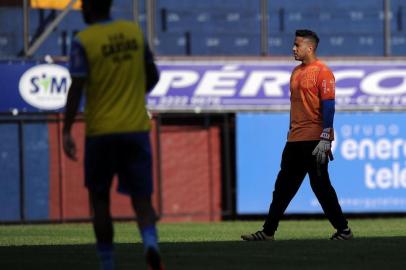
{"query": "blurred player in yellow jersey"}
pixel 111 62
pixel 308 147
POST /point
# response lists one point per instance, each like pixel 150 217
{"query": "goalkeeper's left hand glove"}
pixel 322 151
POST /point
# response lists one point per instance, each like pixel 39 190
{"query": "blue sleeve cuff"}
pixel 328 110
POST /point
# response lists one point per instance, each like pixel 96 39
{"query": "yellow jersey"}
pixel 115 78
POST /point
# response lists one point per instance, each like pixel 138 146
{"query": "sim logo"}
pixel 45 86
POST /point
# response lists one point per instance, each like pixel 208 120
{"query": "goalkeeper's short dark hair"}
pixel 100 6
pixel 309 34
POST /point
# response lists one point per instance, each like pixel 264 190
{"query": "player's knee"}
pixel 99 197
pixel 144 210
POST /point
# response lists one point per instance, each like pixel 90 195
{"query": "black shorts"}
pixel 127 155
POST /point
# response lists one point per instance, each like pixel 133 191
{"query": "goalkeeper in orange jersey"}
pixel 308 147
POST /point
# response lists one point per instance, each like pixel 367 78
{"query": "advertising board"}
pixel 368 172
pixel 214 86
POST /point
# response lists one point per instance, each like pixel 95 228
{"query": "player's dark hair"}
pixel 305 33
pixel 100 6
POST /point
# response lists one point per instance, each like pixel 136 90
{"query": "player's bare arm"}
pixel 72 105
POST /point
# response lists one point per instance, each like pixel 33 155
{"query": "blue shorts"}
pixel 127 155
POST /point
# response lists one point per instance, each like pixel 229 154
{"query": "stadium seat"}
pixel 206 44
pixel 351 45
pixel 213 31
pixel 52 45
pixel 231 44
pixel 11 29
pixel 8 44
pixel 72 22
pixel 398 44
pixel 170 44
pixel 280 44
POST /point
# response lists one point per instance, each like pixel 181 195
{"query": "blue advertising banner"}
pixel 264 85
pixel 33 86
pixel 368 172
pixel 212 86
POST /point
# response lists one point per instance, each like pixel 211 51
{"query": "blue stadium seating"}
pixel 207 21
pixel 232 27
pixel 54 44
pixel 351 45
pixel 7 44
pixel 398 44
pixel 344 17
pixel 356 21
pixel 332 45
pixel 171 44
pixel 348 28
pixel 233 44
pixel 280 44
pixel 11 30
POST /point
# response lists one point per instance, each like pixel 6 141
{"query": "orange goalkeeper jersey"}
pixel 309 85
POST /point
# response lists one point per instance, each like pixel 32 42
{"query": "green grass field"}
pixel 379 244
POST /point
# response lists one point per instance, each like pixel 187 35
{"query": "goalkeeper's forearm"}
pixel 328 110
